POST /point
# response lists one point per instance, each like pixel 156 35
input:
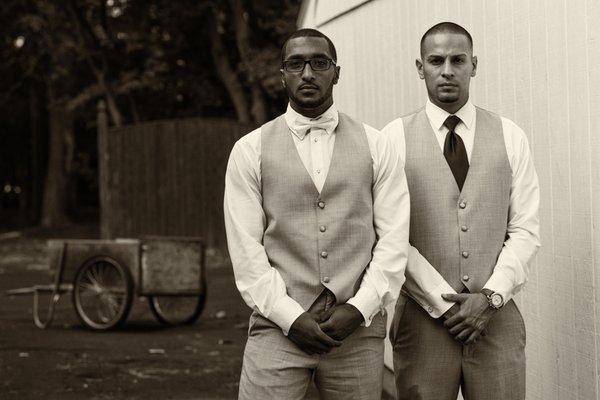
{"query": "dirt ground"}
pixel 141 360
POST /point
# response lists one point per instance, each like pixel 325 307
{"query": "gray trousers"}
pixel 429 364
pixel 275 368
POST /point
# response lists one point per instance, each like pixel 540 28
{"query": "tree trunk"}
pixel 227 75
pixel 113 109
pixel 61 147
pixel 34 190
pixel 243 37
pixel 259 106
pixel 103 163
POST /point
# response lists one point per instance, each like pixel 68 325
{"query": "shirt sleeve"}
pixel 260 285
pixel 423 283
pixel 511 270
pixel 384 276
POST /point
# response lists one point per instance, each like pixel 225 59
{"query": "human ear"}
pixel 419 65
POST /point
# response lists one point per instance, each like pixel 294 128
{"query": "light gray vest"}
pixel 460 233
pixel 318 240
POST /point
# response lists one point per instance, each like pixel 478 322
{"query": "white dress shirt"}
pixel 261 285
pixel 423 282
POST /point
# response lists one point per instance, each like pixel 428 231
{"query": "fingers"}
pixel 453 320
pixel 326 326
pixel 454 330
pixel 457 297
pixel 325 315
pixel 312 346
pixel 464 335
pixel 473 337
pixel 324 339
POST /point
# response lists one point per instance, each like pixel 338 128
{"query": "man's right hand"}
pixel 308 336
pixel 451 312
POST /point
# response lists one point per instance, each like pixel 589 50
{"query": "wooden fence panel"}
pixel 166 178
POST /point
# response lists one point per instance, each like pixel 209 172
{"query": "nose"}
pixel 307 73
pixel 447 69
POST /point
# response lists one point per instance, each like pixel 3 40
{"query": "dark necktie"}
pixel 455 153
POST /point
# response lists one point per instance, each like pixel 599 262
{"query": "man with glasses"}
pixel 474 227
pixel 316 211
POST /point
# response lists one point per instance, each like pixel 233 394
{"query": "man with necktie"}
pixel 316 211
pixel 473 230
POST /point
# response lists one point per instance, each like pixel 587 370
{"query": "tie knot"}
pixel 451 122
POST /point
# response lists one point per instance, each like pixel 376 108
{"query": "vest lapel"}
pixel 475 162
pixel 338 152
pixel 295 158
pixel 439 155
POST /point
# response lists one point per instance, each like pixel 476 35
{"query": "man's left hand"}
pixel 472 318
pixel 340 321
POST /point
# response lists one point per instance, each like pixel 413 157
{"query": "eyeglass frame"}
pixel 330 63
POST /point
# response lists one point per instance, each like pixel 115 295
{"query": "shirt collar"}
pixel 437 116
pixel 299 124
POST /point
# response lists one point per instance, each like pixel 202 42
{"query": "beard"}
pixel 309 102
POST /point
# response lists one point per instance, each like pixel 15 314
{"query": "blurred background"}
pixel 140 61
pixel 118 117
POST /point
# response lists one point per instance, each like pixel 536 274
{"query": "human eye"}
pixel 294 65
pixel 435 60
pixel 319 63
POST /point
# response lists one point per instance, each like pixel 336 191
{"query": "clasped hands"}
pixel 319 333
pixel 468 318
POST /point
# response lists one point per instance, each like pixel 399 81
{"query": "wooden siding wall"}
pixel 167 178
pixel 539 64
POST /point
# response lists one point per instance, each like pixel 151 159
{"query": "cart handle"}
pixel 56 293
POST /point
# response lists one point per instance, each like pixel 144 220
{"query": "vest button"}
pixel 465 254
pixel 462 204
pixel 464 228
pixel 322 228
pixel 324 254
pixel 465 278
pixel 326 279
pixel 321 204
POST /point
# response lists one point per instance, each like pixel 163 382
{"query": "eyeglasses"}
pixel 317 64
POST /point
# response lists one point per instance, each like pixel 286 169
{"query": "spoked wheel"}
pixel 175 310
pixel 102 293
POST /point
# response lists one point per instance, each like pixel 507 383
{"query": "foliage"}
pixel 154 59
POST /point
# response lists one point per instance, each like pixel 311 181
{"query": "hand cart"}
pixel 103 276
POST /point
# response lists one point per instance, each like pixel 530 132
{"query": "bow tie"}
pixel 302 127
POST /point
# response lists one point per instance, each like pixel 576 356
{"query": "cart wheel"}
pixel 102 293
pixel 174 310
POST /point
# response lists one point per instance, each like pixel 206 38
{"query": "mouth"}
pixel 308 88
pixel 447 85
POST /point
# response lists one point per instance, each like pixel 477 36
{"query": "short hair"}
pixel 447 27
pixel 307 32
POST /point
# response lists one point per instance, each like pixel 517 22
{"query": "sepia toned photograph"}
pixel 300 199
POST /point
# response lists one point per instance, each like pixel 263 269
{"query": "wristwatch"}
pixel 495 300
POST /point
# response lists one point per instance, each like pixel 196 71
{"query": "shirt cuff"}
pixel 367 302
pixel 500 284
pixel 285 312
pixel 435 305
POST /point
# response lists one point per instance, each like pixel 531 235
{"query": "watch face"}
pixel 496 300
